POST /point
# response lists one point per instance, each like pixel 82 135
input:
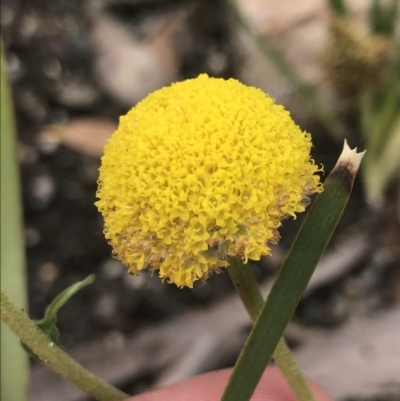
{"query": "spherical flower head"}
pixel 200 170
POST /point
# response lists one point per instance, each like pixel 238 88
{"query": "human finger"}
pixel 210 386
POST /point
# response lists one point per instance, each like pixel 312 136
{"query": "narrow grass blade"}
pixel 389 105
pixel 293 277
pixel 379 171
pixel 250 294
pixel 14 361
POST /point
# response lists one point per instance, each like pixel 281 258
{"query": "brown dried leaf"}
pixel 85 135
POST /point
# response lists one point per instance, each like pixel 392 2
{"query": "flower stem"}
pixel 284 359
pixel 248 290
pixel 54 356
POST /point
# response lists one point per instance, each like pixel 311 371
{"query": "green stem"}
pixel 284 359
pixel 246 285
pixel 54 356
pixel 321 109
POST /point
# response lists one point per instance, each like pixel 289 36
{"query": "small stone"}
pixel 26 154
pixel 51 68
pixel 114 340
pixel 28 26
pixel 113 269
pixel 33 104
pixel 353 287
pixel 106 306
pixel 48 272
pixel 32 237
pixel 75 93
pixel 15 67
pixel 42 191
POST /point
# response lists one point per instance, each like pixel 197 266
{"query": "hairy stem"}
pixel 246 285
pixel 54 356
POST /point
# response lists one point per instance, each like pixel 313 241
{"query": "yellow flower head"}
pixel 200 170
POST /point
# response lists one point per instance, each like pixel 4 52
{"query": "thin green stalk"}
pixel 386 107
pixel 367 118
pixel 377 114
pixel 54 356
pixel 380 127
pixel 246 286
pixel 248 290
pixel 14 360
pixel 320 108
pixel 379 170
pixel 293 277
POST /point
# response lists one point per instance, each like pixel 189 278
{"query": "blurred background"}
pixel 76 66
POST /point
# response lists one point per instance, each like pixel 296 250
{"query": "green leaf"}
pixel 52 355
pixel 383 17
pixel 14 361
pixel 246 285
pixel 379 111
pixel 48 323
pixel 389 105
pixel 293 277
pixel 381 169
pixel 376 16
pixel 392 15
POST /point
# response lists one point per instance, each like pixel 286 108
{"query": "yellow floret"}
pixel 200 170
